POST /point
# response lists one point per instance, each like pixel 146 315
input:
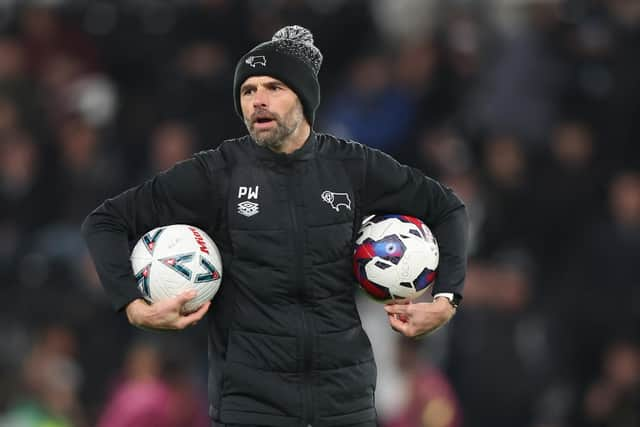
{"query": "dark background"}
pixel 529 109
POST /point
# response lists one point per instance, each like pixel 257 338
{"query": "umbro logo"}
pixel 256 60
pixel 248 208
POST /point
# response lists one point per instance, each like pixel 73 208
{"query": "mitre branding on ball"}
pixel 169 260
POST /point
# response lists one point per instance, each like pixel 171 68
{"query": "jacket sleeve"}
pixel 183 194
pixel 393 188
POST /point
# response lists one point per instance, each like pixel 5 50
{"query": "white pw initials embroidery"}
pixel 248 208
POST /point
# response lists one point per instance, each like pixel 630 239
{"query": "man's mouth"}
pixel 263 122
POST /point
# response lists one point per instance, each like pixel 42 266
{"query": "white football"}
pixel 395 256
pixel 176 258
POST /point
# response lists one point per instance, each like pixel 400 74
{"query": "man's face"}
pixel 271 110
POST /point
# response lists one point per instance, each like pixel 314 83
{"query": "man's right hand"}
pixel 166 314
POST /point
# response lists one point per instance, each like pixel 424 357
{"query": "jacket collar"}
pixel 306 152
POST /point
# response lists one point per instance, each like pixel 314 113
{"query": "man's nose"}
pixel 260 98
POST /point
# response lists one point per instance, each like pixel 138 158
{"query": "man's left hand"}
pixel 415 319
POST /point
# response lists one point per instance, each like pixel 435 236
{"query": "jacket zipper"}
pixel 307 409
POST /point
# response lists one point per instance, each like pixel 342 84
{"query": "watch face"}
pixel 456 300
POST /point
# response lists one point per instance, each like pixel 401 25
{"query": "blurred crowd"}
pixel 528 109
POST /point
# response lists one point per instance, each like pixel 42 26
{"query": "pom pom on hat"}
pixel 293 32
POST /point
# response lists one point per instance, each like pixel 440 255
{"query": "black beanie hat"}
pixel 291 57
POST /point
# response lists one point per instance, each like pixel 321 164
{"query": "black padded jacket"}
pixel 286 345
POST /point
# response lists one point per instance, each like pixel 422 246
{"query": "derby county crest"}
pixel 256 60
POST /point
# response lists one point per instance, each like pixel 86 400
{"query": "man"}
pixel 286 346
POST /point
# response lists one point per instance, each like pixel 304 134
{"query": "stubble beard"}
pixel 274 138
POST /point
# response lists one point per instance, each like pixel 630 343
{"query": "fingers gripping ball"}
pixel 395 257
pixel 174 259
